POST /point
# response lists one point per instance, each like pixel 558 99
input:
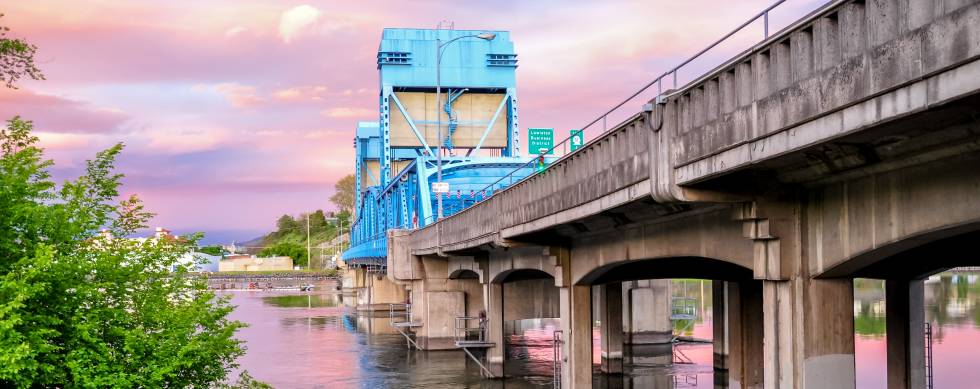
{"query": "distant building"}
pixel 195 261
pixel 253 263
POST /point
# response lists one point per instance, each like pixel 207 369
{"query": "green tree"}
pixel 344 196
pixel 16 59
pixel 81 309
pixel 245 381
pixel 343 219
pixel 286 224
pixel 212 250
pixel 287 249
pixel 318 221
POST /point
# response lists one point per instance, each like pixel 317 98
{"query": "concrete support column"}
pixel 721 327
pixel 738 337
pixel 905 323
pixel 809 333
pixel 576 322
pixel 647 307
pixel 611 332
pixel 495 327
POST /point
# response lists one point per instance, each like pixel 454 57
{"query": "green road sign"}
pixel 577 138
pixel 540 140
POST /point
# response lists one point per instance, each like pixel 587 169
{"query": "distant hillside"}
pixel 289 239
pixel 251 246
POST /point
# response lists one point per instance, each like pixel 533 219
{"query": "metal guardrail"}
pixel 565 143
pixel 683 308
pixel 464 331
pixel 396 311
pixel 399 311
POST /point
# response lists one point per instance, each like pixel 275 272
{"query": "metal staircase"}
pixel 929 365
pixel 400 317
pixel 453 118
pixel 467 337
pixel 683 309
pixel 556 339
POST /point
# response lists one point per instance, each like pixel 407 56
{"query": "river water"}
pixel 309 340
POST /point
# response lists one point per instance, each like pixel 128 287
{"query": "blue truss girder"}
pixel 407 201
pixel 394 178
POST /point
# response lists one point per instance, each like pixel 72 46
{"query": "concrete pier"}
pixel 905 323
pixel 646 312
pixel 576 322
pixel 737 337
pixel 611 327
pixel 495 328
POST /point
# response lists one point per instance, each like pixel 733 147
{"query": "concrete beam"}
pixel 402 265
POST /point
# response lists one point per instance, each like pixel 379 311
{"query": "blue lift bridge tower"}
pixel 396 160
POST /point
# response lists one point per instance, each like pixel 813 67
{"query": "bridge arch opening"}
pixel 464 274
pixel 523 315
pixel 903 296
pixel 667 268
pixel 915 257
pixel 680 310
pixel 521 275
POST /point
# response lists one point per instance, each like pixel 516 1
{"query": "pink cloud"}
pixel 301 93
pixel 57 114
pixel 241 96
pixel 295 20
pixel 349 112
pixel 270 127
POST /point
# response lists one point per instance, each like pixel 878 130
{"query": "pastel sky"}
pixel 234 112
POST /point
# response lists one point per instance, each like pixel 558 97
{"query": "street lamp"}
pixel 487 36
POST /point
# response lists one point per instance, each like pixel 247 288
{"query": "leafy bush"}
pixel 79 308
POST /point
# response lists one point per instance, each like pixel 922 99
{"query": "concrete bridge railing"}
pixel 764 103
pixel 610 163
pixel 849 66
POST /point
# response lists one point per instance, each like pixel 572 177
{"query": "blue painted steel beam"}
pixel 404 199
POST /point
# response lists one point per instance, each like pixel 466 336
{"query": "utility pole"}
pixel 308 256
pixel 487 36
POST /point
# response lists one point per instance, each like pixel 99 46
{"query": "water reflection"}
pixel 309 340
pixel 684 364
pixel 530 349
pixel 307 300
pixel 952 305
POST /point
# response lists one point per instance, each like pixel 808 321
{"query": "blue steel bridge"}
pixel 396 161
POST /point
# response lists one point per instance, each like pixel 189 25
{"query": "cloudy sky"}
pixel 236 111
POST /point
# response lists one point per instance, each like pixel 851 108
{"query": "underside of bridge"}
pixel 844 146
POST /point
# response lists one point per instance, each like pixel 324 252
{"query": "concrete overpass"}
pixel 847 145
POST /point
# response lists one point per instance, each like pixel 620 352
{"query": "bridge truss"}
pixel 475 125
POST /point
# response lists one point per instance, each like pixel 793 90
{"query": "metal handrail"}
pixel 463 330
pixel 399 311
pixel 764 14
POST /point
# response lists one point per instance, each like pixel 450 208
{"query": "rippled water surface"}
pixel 309 340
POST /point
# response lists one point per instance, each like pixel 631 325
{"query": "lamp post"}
pixel 487 36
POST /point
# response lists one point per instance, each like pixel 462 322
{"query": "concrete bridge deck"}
pixel 847 145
